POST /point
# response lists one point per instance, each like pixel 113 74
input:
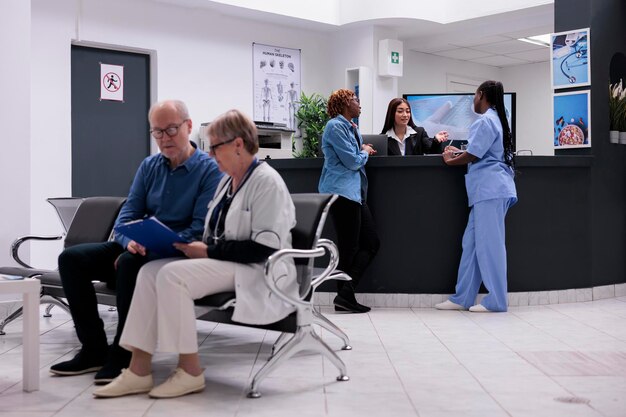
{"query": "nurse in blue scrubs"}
pixel 491 192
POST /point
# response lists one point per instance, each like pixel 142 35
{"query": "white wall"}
pixel 426 73
pixel 203 59
pixel 534 106
pixel 15 173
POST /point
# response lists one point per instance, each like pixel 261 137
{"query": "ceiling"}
pixel 490 40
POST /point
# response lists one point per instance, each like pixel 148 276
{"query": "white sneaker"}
pixel 178 384
pixel 449 305
pixel 479 308
pixel 126 383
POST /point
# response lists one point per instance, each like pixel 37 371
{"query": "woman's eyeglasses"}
pixel 213 148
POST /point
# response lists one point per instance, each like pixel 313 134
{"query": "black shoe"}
pixel 108 373
pixel 82 363
pixel 341 304
pixel 119 359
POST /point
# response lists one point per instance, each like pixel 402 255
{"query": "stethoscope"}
pixel 581 54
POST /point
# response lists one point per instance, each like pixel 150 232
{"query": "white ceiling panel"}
pixel 462 41
pixel 463 53
pixel 499 61
pixel 508 47
pixel 538 55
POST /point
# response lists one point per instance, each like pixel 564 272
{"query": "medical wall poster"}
pixel 572 119
pixel 570 59
pixel 111 82
pixel 276 84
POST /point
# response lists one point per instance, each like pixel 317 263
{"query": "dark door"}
pixel 109 138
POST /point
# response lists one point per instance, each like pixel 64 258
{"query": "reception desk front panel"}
pixel 420 207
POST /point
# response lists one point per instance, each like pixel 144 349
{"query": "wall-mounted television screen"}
pixel 452 112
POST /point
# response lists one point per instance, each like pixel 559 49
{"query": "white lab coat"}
pixel 262 211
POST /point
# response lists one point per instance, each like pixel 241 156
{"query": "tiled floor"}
pixel 555 360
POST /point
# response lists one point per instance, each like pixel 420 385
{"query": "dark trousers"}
pixel 80 265
pixel 357 240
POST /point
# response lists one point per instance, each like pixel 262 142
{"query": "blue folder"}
pixel 153 235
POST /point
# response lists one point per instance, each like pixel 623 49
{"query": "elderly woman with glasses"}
pixel 345 156
pixel 251 216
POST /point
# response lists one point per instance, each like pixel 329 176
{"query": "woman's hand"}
pixel 369 148
pixel 450 153
pixel 441 136
pixel 192 250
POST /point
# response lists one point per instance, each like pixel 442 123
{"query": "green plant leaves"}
pixel 312 117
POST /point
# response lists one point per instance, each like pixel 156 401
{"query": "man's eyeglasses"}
pixel 213 148
pixel 170 131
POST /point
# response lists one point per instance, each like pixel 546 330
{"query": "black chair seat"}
pixel 216 300
pixel 23 272
pixel 286 325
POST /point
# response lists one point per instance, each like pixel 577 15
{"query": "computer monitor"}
pixel 452 112
pixel 378 142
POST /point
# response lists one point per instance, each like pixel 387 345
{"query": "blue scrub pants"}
pixel 484 256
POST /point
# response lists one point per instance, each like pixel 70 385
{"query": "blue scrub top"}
pixel 488 177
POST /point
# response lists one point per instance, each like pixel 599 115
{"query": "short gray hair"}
pixel 181 108
pixel 235 124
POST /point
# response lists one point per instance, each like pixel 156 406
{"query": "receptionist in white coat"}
pixel 491 192
pixel 250 217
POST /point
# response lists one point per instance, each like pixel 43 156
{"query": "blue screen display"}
pixel 451 112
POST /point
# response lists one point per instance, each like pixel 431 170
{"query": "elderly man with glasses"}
pixel 175 186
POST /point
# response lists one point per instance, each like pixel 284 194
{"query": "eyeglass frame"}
pixel 212 148
pixel 161 132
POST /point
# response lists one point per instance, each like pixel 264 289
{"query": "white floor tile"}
pixel 535 360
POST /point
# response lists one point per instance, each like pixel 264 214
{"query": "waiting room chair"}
pixel 311 213
pixel 92 222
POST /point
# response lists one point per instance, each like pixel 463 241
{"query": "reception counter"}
pixel 420 207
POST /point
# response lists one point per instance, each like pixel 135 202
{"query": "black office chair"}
pixel 311 213
pixel 92 222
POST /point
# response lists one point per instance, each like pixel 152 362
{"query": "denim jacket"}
pixel 344 161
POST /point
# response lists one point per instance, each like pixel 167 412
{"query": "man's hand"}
pixel 135 248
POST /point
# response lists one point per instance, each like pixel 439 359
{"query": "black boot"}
pixel 346 300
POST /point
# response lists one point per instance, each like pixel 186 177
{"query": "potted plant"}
pixel 617 113
pixel 312 117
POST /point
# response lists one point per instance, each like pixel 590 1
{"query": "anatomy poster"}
pixel 276 84
pixel 570 58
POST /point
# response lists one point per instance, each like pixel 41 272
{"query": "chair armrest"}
pixel 276 257
pixel 330 270
pixel 15 246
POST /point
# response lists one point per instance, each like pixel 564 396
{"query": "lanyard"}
pixel 218 216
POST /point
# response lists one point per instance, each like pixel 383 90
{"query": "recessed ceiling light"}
pixel 541 40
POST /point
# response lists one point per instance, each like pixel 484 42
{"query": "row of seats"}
pixel 93 222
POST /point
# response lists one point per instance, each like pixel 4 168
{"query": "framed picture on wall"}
pixel 570 59
pixel 572 119
pixel 276 84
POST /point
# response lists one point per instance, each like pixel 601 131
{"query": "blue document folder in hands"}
pixel 153 235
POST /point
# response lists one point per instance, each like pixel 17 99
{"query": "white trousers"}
pixel 161 315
